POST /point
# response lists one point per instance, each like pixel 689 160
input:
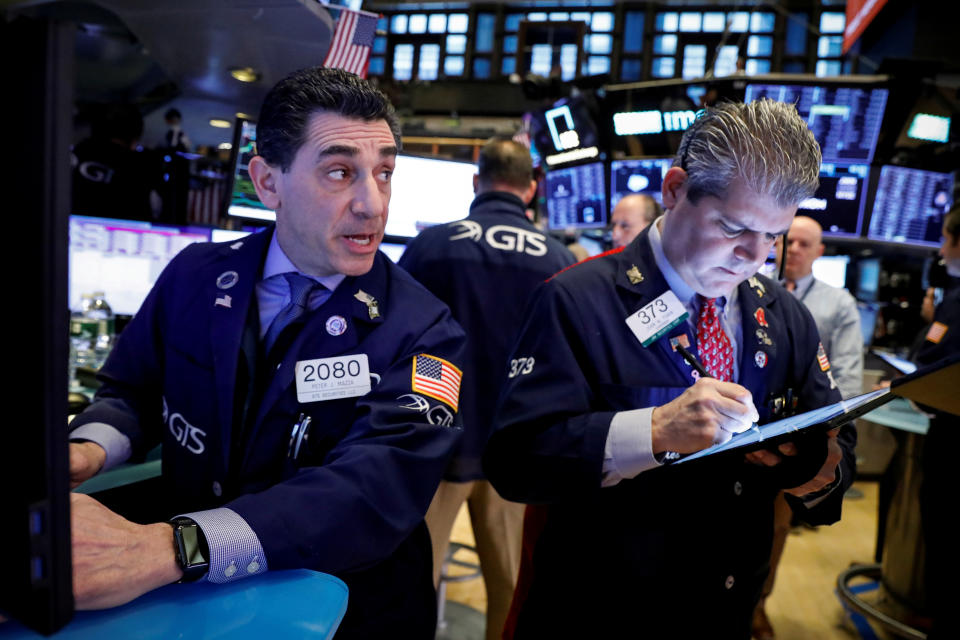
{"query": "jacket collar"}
pixel 498 202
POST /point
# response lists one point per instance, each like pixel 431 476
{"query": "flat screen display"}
pixel 122 258
pixel 226 235
pixel 845 119
pixel 909 206
pixel 868 279
pixel 641 175
pixel 838 203
pixel 428 191
pixel 244 202
pixel 832 270
pixel 564 127
pixel 576 197
pixel 393 250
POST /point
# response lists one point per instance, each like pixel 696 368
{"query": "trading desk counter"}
pixel 280 605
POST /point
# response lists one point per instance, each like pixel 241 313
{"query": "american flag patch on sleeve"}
pixel 936 332
pixel 436 378
pixel 822 358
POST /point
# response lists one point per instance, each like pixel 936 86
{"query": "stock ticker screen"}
pixel 640 175
pixel 845 119
pixel 576 197
pixel 839 201
pixel 909 205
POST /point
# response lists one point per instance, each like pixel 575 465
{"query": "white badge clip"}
pixel 332 378
pixel 656 318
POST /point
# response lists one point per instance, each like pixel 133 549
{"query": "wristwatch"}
pixel 190 546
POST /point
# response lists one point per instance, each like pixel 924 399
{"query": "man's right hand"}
pixel 86 459
pixel 707 413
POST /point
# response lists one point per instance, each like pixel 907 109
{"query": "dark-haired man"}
pixel 630 545
pixel 485 267
pixel 229 364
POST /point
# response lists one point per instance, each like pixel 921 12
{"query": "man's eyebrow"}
pixel 338 150
pixel 347 150
pixel 734 223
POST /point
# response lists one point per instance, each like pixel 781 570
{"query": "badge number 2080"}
pixel 332 378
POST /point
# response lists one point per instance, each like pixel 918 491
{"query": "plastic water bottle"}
pixel 83 338
pixel 101 313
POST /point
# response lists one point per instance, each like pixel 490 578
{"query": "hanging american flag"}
pixel 351 43
pixel 436 378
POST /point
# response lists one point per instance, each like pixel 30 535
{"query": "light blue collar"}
pixel 277 263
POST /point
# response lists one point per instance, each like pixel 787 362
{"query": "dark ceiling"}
pixel 177 53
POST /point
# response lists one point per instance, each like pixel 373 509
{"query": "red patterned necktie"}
pixel 713 345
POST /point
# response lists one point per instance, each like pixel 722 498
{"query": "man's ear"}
pixel 529 193
pixel 476 183
pixel 820 251
pixel 265 178
pixel 673 183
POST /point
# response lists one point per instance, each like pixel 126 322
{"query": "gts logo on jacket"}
pixel 187 435
pixel 503 237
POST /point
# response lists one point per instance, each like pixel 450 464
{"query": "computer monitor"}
pixel 243 201
pixel 565 132
pixel 838 203
pixel 638 175
pixel 868 279
pixel 122 258
pixel 576 197
pixel 845 117
pixel 909 206
pixel 868 320
pixel 832 270
pixel 393 250
pixel 428 191
pixel 228 235
pixel 36 54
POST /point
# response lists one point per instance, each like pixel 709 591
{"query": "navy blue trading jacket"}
pixel 680 551
pixel 485 268
pixel 371 464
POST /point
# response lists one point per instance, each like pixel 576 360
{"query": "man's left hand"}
pixel 825 475
pixel 115 560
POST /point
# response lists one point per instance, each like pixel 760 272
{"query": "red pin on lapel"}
pixel 761 317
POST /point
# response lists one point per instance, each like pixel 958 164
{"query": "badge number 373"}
pixel 656 317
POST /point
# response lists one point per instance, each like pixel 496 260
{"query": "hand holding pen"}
pixel 708 413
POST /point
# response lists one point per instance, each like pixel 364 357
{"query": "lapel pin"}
pixel 763 337
pixel 372 307
pixel 761 317
pixel 225 301
pixel 336 325
pixel 760 359
pixel 754 282
pixel 634 275
pixel 227 279
pixel 682 340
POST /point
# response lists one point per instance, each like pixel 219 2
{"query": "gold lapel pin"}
pixel 372 306
pixel 634 275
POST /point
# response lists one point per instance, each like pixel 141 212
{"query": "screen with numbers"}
pixel 838 203
pixel 909 205
pixel 577 197
pixel 845 119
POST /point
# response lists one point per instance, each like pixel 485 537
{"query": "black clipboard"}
pixel 899 365
pixel 934 385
